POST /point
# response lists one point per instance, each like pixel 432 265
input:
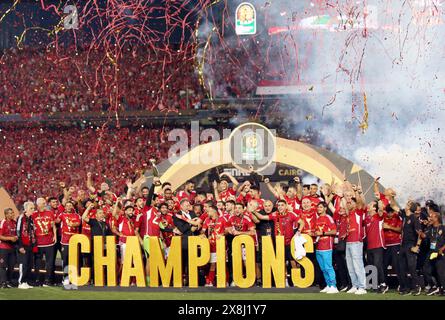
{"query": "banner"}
pixel 166 271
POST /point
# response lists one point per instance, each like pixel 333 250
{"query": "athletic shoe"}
pixel 23 285
pixel 343 289
pixel 352 290
pixel 287 284
pixel 233 284
pixel 66 282
pixel 47 284
pixel 29 286
pixel 332 290
pixel 405 293
pixel 3 286
pixel 360 291
pixel 432 291
pixel 209 284
pixel 417 291
pixel 326 289
pixel 258 283
pixel 427 288
pixel 383 289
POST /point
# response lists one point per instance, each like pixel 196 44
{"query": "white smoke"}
pixel 398 66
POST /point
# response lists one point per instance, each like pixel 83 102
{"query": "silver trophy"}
pixel 155 168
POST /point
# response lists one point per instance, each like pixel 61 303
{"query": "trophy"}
pixel 155 168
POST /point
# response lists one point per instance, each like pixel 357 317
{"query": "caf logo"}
pixel 245 13
pixel 245 19
pixel 252 145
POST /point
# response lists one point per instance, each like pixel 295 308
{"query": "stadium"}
pixel 222 150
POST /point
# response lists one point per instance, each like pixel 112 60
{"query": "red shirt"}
pixel 148 223
pixel 167 222
pixel 212 228
pixel 374 231
pixel 342 225
pixel 43 222
pixel 8 228
pixel 224 195
pixel 67 231
pixel 184 195
pixel 309 217
pixel 383 199
pixel 294 202
pixel 284 225
pixel 392 238
pixel 126 227
pixel 242 223
pixel 86 228
pixel 315 200
pixel 355 226
pixel 325 223
pixel 226 216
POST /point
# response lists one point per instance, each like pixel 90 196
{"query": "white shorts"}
pixel 122 251
pixel 213 257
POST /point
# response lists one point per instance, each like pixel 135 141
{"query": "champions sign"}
pixel 167 271
pixel 245 19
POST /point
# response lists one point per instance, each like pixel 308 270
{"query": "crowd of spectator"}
pixel 35 160
pixel 73 80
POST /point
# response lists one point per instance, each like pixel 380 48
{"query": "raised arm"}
pixel 90 183
pixel 86 213
pixel 151 191
pixel 376 187
pixel 271 188
pixel 361 202
pixel 232 178
pixel 116 208
pixel 215 191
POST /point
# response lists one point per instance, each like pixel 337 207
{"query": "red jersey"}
pixel 392 238
pixel 213 228
pixel 226 216
pixel 315 200
pixel 294 202
pixel 325 223
pixel 67 231
pixel 184 195
pixel 126 227
pixel 355 226
pixel 241 223
pixel 342 225
pixel 167 222
pixel 374 231
pixel 43 222
pixel 8 228
pixel 383 199
pixel 86 228
pixel 203 216
pixel 243 199
pixel 309 217
pixel 148 223
pixel 284 225
pixel 224 195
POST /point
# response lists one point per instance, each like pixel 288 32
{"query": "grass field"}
pixel 58 293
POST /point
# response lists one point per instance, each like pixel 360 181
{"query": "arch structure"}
pixel 319 162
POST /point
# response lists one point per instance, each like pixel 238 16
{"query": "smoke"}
pixel 395 64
